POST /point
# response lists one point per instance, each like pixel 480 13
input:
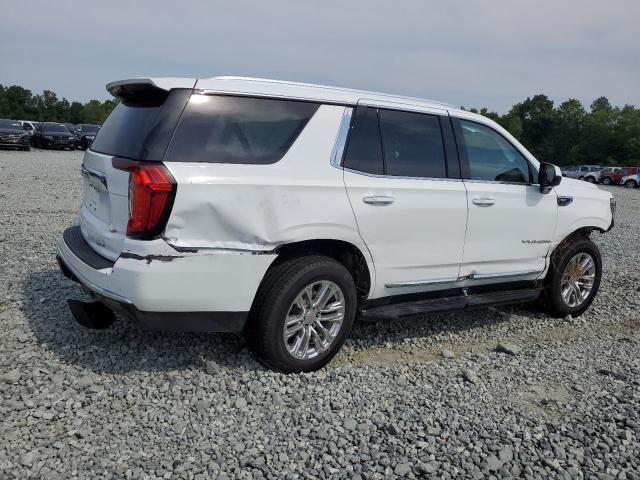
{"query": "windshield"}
pixel 12 124
pixel 90 128
pixel 56 128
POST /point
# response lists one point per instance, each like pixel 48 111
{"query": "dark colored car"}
pixel 85 133
pixel 613 178
pixel 13 135
pixel 53 135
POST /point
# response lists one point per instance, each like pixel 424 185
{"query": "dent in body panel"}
pixel 256 208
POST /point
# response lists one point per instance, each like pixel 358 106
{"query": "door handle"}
pixel 484 201
pixel 378 200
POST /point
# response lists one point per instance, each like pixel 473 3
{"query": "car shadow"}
pixel 125 347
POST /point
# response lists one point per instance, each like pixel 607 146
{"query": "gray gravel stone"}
pixel 508 348
pixel 470 376
pixel 12 376
pixel 128 403
pixel 491 463
pixel 402 469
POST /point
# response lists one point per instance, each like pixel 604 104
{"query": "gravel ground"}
pixel 434 397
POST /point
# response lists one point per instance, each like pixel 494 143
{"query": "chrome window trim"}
pixel 375 175
pixel 341 139
pixel 469 180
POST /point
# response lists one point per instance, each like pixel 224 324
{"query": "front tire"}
pixel 573 279
pixel 631 184
pixel 302 314
pixel 606 181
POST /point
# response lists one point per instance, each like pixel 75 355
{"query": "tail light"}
pixel 152 190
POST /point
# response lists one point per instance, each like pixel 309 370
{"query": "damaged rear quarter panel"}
pixel 259 207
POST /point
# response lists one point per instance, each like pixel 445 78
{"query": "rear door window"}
pixel 241 130
pixel 412 144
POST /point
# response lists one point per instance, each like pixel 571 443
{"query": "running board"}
pixel 457 302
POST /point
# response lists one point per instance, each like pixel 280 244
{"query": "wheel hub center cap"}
pixel 309 318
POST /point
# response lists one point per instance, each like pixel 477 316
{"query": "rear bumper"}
pixel 199 292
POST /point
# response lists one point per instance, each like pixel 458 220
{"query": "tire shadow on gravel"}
pixel 124 347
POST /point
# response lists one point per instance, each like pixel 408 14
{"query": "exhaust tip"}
pixel 94 315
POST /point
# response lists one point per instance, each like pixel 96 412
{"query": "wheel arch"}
pixel 581 232
pixel 342 251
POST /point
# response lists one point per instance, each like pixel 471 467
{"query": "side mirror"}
pixel 549 176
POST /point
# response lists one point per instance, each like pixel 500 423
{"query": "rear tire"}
pixel 282 298
pixel 590 179
pixel 565 285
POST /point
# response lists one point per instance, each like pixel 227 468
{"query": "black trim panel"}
pixel 450 149
pixel 452 292
pixel 80 248
pixel 466 301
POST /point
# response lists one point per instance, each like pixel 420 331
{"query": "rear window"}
pixel 141 126
pixel 241 130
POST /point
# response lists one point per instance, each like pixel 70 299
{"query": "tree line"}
pixel 567 134
pixel 571 135
pixel 18 103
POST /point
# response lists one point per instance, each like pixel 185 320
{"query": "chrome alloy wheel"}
pixel 314 319
pixel 577 279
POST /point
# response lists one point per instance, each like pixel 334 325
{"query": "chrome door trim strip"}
pixel 487 276
pixel 420 283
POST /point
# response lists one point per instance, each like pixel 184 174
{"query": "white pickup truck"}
pixel 286 211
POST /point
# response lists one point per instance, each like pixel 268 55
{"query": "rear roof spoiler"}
pixel 123 88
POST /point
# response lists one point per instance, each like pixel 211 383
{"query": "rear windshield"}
pixel 244 130
pixel 140 128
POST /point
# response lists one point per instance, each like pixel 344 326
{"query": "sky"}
pixel 464 52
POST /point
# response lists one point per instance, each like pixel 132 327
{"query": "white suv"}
pixel 285 210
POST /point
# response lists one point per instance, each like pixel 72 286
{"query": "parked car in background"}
pixel 54 135
pixel 282 210
pixel 579 171
pixel 594 177
pixel 85 133
pixel 614 178
pixel 13 135
pixel 70 126
pixel 631 181
pixel 29 126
